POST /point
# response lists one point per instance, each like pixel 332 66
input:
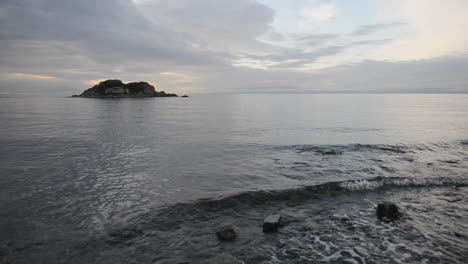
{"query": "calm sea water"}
pixel 151 180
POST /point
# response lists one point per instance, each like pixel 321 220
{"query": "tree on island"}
pixel 116 88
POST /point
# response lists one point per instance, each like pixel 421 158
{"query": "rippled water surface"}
pixel 151 180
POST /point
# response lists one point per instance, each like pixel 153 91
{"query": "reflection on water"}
pixel 70 169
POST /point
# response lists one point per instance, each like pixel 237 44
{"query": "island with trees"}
pixel 118 89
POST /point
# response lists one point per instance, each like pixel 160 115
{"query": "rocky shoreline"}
pixel 118 89
pixel 385 212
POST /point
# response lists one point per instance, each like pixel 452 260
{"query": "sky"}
pixel 242 46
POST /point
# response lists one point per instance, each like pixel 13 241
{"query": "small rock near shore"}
pixel 227 234
pixel 271 223
pixel 387 212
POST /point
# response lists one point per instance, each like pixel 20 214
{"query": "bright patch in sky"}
pixel 225 45
pixel 24 76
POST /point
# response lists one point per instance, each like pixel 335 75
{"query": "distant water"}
pixel 151 180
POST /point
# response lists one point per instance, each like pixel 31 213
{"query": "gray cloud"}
pixel 78 41
pixel 105 31
pixel 93 33
pixel 374 28
pixel 318 37
pixel 372 42
pixel 440 75
pixel 274 36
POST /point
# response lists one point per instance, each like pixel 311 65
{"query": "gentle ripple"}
pixel 150 180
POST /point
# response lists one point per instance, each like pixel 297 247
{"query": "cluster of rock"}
pixel 270 224
pixel 116 88
pixel 386 212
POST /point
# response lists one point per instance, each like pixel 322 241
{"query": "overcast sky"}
pixel 241 46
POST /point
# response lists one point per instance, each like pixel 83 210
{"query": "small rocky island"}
pixel 117 89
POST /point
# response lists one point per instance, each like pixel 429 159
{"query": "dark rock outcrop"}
pixel 271 223
pixel 116 88
pixel 387 212
pixel 227 234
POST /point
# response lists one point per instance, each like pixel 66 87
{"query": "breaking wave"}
pixel 253 198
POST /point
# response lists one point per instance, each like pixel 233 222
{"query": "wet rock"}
pixel 306 228
pixel 271 223
pixel 227 234
pixel 387 212
pixel 184 95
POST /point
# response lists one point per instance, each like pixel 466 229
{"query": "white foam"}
pixel 360 185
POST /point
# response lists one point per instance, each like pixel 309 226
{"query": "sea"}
pixel 152 180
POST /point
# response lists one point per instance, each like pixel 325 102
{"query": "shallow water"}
pixel 151 180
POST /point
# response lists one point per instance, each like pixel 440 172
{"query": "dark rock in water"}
pixel 116 89
pixel 227 234
pixel 184 96
pixel 387 212
pixel 271 223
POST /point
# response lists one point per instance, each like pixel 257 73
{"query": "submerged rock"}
pixel 387 212
pixel 227 234
pixel 271 223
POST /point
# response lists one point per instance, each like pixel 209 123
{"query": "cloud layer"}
pixel 228 46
